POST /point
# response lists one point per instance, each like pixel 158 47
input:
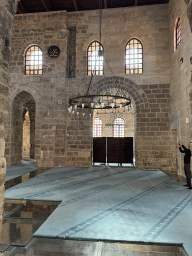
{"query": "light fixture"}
pixel 107 100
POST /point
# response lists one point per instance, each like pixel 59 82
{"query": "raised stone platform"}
pixel 46 246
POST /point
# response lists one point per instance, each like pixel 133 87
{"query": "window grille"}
pixel 95 59
pixel 134 57
pixel 178 33
pixel 119 127
pixel 33 60
pixel 97 127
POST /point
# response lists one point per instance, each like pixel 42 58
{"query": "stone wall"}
pixel 155 143
pixel 46 90
pixel 180 77
pixel 7 10
pixel 61 139
pixel 118 27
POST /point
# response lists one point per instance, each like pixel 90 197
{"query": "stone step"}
pixel 46 246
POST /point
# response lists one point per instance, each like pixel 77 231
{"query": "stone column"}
pixel 7 11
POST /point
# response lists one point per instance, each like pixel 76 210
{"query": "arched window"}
pixel 95 59
pixel 97 132
pixel 178 33
pixel 134 57
pixel 33 60
pixel 119 127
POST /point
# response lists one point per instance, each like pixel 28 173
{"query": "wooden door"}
pixel 120 150
pixel 99 150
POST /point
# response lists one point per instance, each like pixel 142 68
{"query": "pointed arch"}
pixel 22 103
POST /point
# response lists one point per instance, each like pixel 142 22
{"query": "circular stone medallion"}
pixel 54 51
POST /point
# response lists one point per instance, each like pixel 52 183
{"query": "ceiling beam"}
pixel 21 7
pixel 105 4
pixel 136 2
pixel 46 4
pixel 75 5
pixel 18 10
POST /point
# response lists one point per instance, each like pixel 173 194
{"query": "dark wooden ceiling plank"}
pixel 32 6
pixel 19 10
pixel 105 4
pixel 75 5
pixel 22 7
pixel 47 5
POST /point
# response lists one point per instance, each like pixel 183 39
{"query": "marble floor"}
pixel 18 170
pixel 115 203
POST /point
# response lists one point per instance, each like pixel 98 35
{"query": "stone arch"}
pixel 134 92
pixel 22 102
pixel 14 93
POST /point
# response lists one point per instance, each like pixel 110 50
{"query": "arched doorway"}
pixel 23 128
pixel 115 130
pixel 139 102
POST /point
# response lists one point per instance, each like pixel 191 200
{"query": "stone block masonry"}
pixel 7 10
pixel 155 143
pixel 64 140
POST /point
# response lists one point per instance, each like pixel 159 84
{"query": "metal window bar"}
pixel 119 127
pixel 34 61
pixel 97 127
pixel 95 62
pixel 178 33
pixel 134 57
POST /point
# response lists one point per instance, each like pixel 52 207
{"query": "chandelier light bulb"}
pixel 77 113
pixel 112 104
pixel 75 106
pixel 120 105
pixel 73 112
pixel 89 114
pixel 83 105
pixel 83 114
pixel 92 104
pixel 102 104
pixel 69 109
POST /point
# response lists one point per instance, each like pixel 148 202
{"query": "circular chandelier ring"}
pixel 84 101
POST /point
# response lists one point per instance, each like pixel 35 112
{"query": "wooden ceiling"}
pixel 31 6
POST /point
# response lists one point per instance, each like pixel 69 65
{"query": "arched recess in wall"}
pixel 22 103
pixel 138 101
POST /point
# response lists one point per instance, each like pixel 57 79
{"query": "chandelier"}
pixel 100 100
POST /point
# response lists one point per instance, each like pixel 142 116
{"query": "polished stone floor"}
pixel 18 170
pixel 115 203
